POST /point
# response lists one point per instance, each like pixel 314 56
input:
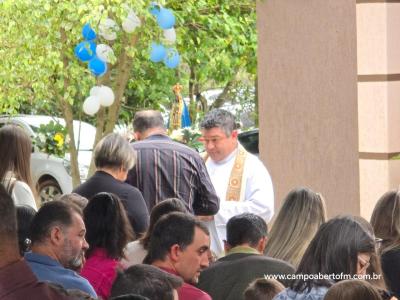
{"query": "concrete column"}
pixel 329 98
pixel 307 70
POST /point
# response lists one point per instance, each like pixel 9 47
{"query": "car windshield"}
pixel 86 136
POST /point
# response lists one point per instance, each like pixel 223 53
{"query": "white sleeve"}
pixel 259 194
pixel 22 195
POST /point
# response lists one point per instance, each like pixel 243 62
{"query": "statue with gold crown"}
pixel 179 116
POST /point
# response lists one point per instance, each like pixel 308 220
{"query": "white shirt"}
pixel 21 192
pixel 134 254
pixel 258 194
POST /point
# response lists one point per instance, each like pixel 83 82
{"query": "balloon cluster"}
pixel 96 56
pixel 99 95
pixel 166 20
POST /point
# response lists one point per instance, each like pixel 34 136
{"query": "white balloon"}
pixel 128 25
pixel 108 28
pixel 94 91
pixel 106 96
pixel 170 35
pixel 104 52
pixel 91 105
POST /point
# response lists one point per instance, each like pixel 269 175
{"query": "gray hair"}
pixel 147 119
pixel 113 151
pixel 220 118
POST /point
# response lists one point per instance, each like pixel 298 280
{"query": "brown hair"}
pixel 302 213
pixel 15 153
pixel 352 289
pixel 263 289
pixel 386 220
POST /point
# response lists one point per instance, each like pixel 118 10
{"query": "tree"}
pixel 38 69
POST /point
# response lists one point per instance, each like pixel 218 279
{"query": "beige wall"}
pixel 329 98
pixel 308 98
pixel 378 48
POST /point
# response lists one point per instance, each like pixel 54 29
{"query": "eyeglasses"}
pixel 364 264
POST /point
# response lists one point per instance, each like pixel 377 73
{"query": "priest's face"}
pixel 218 144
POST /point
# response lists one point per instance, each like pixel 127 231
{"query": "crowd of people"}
pixel 159 221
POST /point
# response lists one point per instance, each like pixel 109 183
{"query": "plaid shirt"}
pixel 166 169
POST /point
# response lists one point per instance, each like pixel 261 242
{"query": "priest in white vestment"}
pixel 240 179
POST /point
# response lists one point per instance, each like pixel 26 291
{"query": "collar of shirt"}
pixel 242 249
pixel 158 137
pixel 41 259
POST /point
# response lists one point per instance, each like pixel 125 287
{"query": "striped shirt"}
pixel 166 169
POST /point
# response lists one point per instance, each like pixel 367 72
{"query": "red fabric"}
pixel 101 271
pixel 188 291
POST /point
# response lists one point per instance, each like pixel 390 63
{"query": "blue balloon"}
pixel 97 66
pixel 88 33
pixel 85 51
pixel 166 18
pixel 157 53
pixel 172 58
pixel 154 8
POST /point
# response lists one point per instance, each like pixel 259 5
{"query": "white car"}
pixel 50 174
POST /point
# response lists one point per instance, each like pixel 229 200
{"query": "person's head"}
pixel 15 153
pixel 375 267
pixel 352 289
pixel 58 230
pixel 107 225
pixel 180 242
pixel 386 220
pixel 74 198
pixel 246 229
pixel 161 209
pixel 219 134
pixel 263 289
pixel 147 281
pixel 148 122
pixel 341 245
pixel 299 218
pixel 8 223
pixel 25 215
pixel 114 153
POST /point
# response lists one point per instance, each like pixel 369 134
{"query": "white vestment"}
pixel 257 194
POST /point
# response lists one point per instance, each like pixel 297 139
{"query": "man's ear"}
pixel 137 136
pixel 175 252
pixel 235 134
pixel 56 235
pixel 227 247
pixel 261 244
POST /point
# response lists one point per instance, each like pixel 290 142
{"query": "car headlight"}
pixel 67 166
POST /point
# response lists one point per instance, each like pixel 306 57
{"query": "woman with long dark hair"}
pixel 340 249
pixel 386 223
pixel 107 231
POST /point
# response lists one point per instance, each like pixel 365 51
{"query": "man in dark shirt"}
pixel 168 169
pixel 229 276
pixel 17 281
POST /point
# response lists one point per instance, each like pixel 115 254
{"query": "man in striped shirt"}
pixel 166 169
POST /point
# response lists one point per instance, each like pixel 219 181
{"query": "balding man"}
pixel 168 169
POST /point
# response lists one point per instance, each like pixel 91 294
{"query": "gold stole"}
pixel 234 189
pixel 233 192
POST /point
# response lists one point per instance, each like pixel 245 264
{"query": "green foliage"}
pixel 189 137
pixel 52 138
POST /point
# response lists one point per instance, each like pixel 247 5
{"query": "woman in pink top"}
pixel 107 232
